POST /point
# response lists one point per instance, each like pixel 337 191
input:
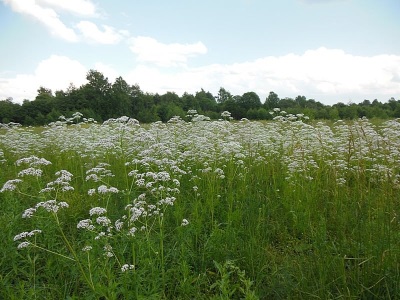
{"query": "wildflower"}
pixel 10 185
pixel 91 192
pixel 163 176
pixel 26 234
pixel 225 114
pixel 30 172
pixel 113 190
pixel 33 161
pixel 104 221
pixel 23 245
pixel 52 205
pixel 87 248
pixel 97 211
pixel 127 267
pixel 46 190
pixel 28 213
pixel 108 250
pixel 102 189
pixel 184 222
pixel 132 231
pixel 101 234
pixel 85 224
pixel 64 175
pixel 118 225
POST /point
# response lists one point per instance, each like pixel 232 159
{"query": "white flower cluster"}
pixel 62 182
pixel 33 161
pixel 99 172
pixel 51 206
pixel 127 267
pixel 103 189
pixel 10 185
pixel 24 236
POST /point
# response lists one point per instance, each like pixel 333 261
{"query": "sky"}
pixel 328 50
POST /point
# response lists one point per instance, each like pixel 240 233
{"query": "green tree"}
pixel 271 101
pixel 249 100
pixel 120 98
pixel 8 111
pixel 97 92
pixel 223 95
pixel 206 101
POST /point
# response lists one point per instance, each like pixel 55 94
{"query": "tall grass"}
pixel 200 210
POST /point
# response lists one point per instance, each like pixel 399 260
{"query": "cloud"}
pixel 150 50
pixel 55 73
pixel 78 7
pixel 92 33
pixel 46 16
pixel 327 75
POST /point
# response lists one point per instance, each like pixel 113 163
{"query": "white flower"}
pixel 91 192
pixel 104 221
pixel 97 211
pixel 28 213
pixel 118 225
pixel 52 205
pixel 26 234
pixel 30 172
pixel 127 267
pixel 184 222
pixel 101 234
pixel 132 231
pixel 113 190
pixel 87 248
pixel 102 189
pixel 85 224
pixel 10 185
pixel 225 114
pixel 23 245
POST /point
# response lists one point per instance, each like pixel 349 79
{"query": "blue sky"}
pixel 327 50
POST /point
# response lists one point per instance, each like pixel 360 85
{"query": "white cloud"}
pixel 327 75
pixel 46 16
pixel 79 7
pixel 92 33
pixel 107 70
pixel 150 50
pixel 55 73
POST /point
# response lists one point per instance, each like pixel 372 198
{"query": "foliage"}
pixel 101 100
pixel 286 209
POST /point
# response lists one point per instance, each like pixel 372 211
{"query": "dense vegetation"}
pixel 200 210
pixel 99 99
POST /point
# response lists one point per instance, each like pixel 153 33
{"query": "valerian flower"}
pixel 10 185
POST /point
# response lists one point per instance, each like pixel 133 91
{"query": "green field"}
pixel 200 210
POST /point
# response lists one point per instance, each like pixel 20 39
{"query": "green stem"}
pixel 72 251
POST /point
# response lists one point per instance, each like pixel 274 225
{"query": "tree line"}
pixel 101 100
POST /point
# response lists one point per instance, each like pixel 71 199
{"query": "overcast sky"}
pixel 328 50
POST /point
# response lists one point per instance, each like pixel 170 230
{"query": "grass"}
pixel 201 210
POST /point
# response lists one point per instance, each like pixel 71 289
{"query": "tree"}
pixel 223 95
pixel 97 91
pixel 120 98
pixel 271 101
pixel 249 100
pixel 8 110
pixel 301 101
pixel 206 101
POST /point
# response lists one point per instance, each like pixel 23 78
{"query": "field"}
pixel 287 209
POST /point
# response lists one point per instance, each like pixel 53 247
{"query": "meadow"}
pixel 286 209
